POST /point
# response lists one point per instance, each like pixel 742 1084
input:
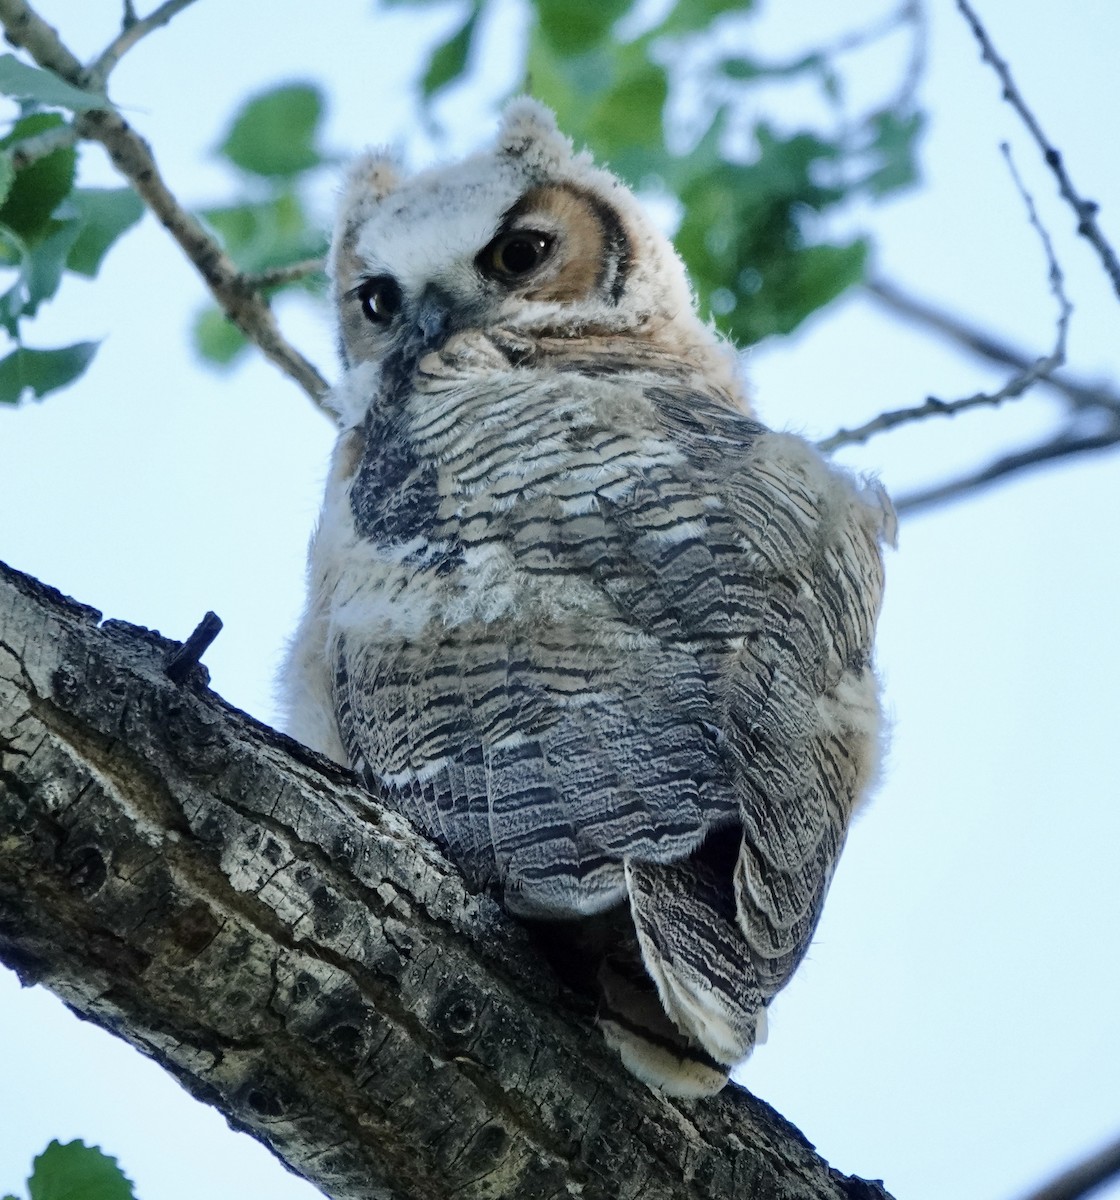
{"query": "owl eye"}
pixel 515 254
pixel 381 299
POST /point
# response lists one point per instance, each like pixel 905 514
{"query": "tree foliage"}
pixel 752 199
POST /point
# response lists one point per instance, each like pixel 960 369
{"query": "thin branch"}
pixel 133 28
pixel 24 27
pixel 279 276
pixel 1015 387
pixel 914 13
pixel 1086 210
pixel 24 153
pixel 1080 393
pixel 132 156
pixel 1065 445
pixel 1084 1178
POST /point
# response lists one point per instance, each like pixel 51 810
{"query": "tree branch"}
pixel 297 956
pixel 1084 1178
pixel 1015 387
pixel 132 156
pixel 133 29
pixel 31 149
pixel 1066 444
pixel 24 27
pixel 293 273
pixel 1080 393
pixel 1086 210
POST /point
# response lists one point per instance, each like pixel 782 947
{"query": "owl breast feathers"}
pixel 601 634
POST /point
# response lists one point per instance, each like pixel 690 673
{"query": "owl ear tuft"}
pixel 370 178
pixel 529 132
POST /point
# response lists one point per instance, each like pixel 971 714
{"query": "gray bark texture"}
pixel 297 956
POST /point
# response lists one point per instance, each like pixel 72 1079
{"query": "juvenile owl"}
pixel 601 634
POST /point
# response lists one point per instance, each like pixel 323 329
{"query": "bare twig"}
pixel 1015 387
pixel 909 12
pixel 132 156
pixel 914 14
pixel 1065 445
pixel 279 276
pixel 133 28
pixel 1080 393
pixel 24 153
pixel 1086 210
pixel 1084 1178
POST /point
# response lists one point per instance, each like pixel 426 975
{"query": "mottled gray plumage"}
pixel 603 635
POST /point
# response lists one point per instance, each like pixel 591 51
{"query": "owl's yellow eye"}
pixel 381 299
pixel 514 255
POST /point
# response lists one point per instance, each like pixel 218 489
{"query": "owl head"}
pixel 528 236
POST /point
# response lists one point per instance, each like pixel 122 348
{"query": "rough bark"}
pixel 238 909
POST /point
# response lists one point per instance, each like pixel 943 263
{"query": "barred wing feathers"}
pixel 644 675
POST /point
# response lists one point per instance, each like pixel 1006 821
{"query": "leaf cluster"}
pixel 753 211
pixel 48 226
pixel 746 224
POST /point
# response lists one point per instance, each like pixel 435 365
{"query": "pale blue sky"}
pixel 954 1030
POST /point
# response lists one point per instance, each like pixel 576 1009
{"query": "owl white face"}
pixel 528 235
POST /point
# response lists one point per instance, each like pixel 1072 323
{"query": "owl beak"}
pixel 433 317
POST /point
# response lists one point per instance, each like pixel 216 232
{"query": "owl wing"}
pixel 775 586
pixel 686 725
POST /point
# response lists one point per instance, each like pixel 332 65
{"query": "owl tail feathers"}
pixel 694 951
pixel 634 1024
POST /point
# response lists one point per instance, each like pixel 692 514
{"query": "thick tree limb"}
pixel 298 957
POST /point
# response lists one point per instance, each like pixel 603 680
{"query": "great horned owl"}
pixel 605 637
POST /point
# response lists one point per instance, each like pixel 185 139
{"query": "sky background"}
pixel 954 1029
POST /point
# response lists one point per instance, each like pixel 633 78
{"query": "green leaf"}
pixel 823 272
pixel 449 60
pixel 40 268
pixel 741 69
pixel 41 186
pixel 608 97
pixel 103 215
pixel 275 134
pixel 895 149
pixel 7 175
pixel 42 371
pixel 792 287
pixel 44 87
pixel 574 26
pixel 77 1172
pixel 45 262
pixel 624 120
pixel 267 234
pixel 688 16
pixel 217 339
